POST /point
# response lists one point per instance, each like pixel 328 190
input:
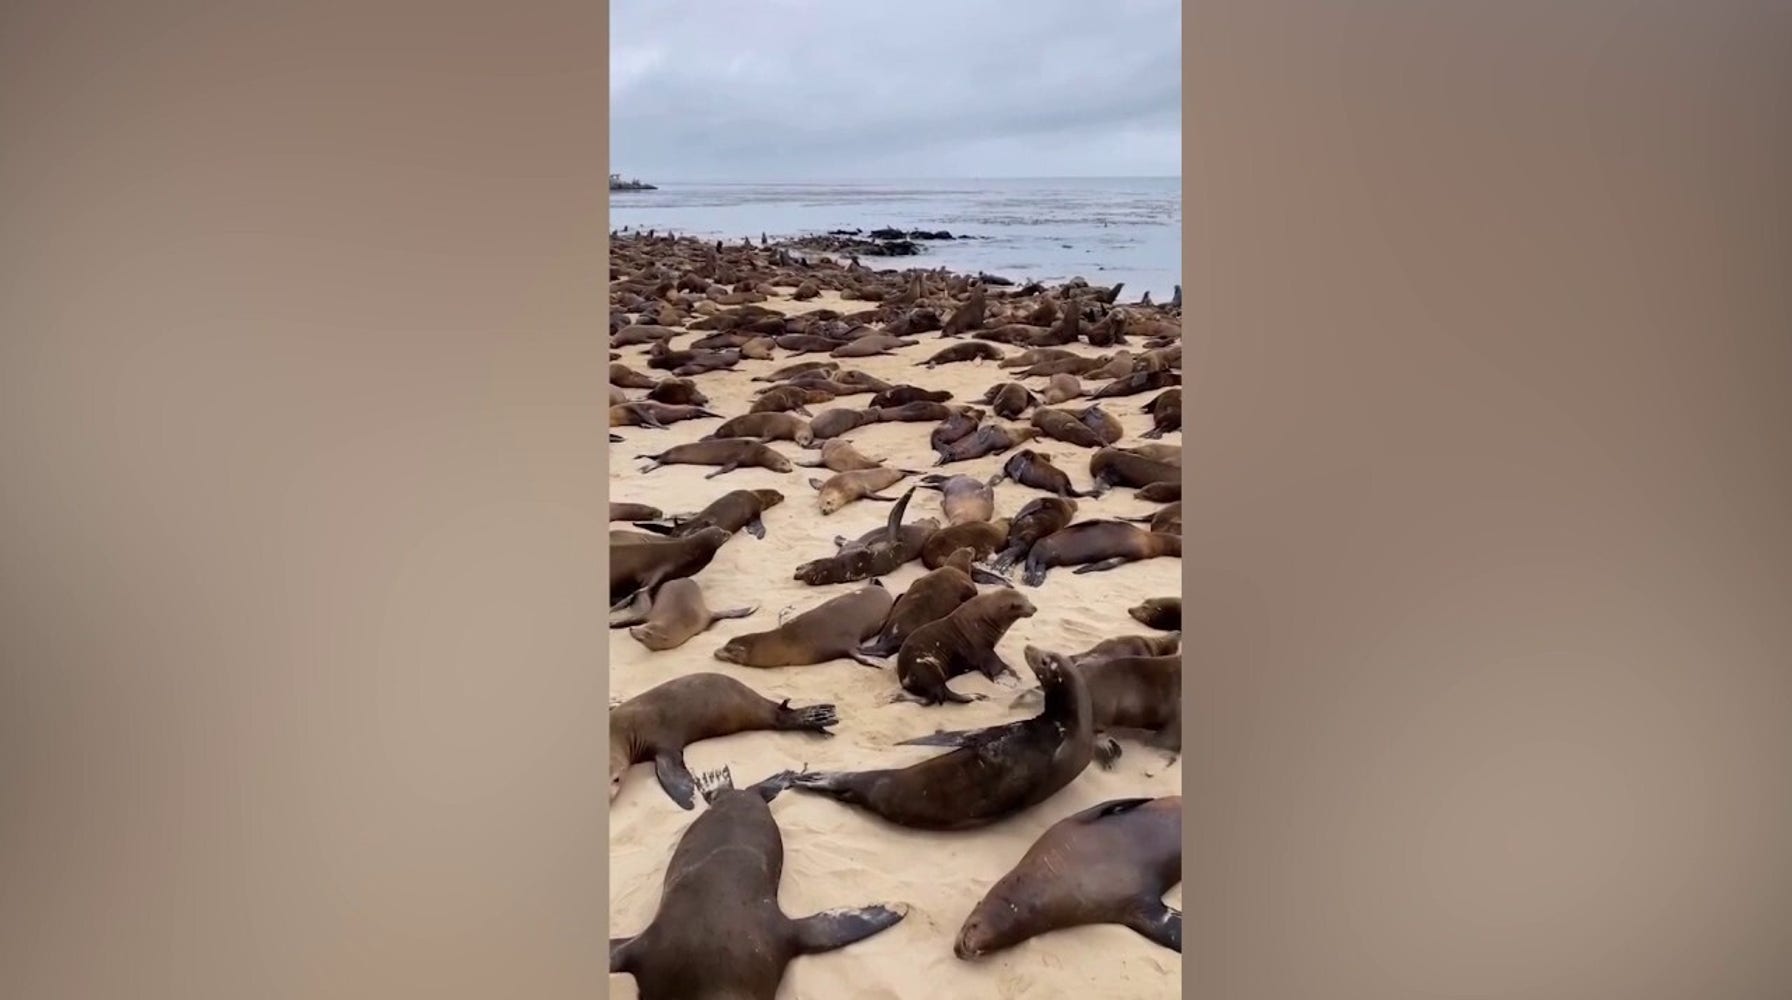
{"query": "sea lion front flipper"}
pixel 657 527
pixel 633 613
pixel 616 439
pixel 724 470
pixel 839 927
pixel 860 658
pixel 1102 566
pixel 756 528
pixel 1107 751
pixel 621 956
pixel 1158 923
pixel 815 483
pixel 879 497
pixel 676 779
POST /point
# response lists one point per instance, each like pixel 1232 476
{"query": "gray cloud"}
pixel 843 89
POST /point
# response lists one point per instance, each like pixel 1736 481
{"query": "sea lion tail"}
pixel 714 783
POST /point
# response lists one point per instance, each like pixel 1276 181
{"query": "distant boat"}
pixel 618 184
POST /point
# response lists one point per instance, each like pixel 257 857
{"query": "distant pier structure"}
pixel 618 184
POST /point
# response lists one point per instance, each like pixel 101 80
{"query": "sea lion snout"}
pixel 731 652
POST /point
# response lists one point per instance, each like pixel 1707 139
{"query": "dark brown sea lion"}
pixel 719 933
pixel 1129 645
pixel 865 347
pixel 766 426
pixel 1105 425
pixel 1038 355
pixel 628 378
pixel 1169 454
pixel 809 289
pixel 1167 520
pixel 787 371
pixel 968 316
pixel 1138 693
pixel 983 538
pixel 954 427
pixel 1112 467
pixel 990 439
pixel 898 395
pixel 837 421
pixel 1159 612
pixel 845 487
pixel 679 614
pixel 1061 425
pixel 726 453
pixel 634 512
pixel 732 511
pixel 1095 547
pixel 1109 864
pixel 1161 492
pixel 1013 333
pixel 970 350
pixel 788 397
pixel 659 723
pixel 838 455
pixel 806 343
pixel 1040 518
pixel 993 773
pixel 919 411
pixel 1030 468
pixel 1166 413
pixel 1062 388
pixel 641 568
pixel 963 641
pixel 679 391
pixel 1076 364
pixel 929 599
pixel 880 551
pixel 1010 399
pixel 655 415
pixel 831 630
pixel 866 382
pixel 1138 382
pixel 962 498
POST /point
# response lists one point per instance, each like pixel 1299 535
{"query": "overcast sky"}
pixel 852 89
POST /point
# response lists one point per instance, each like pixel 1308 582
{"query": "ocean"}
pixel 1047 229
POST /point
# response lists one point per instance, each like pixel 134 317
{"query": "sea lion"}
pixel 788 397
pixel 679 614
pixel 758 349
pixel 865 347
pixel 1040 518
pixel 970 350
pixel 626 377
pixel 633 512
pixel 917 411
pixel 1075 364
pixel 1129 645
pixel 835 422
pixel 845 487
pixel 766 426
pixel 1119 365
pixel 1061 388
pixel 1159 612
pixel 1019 334
pixel 787 371
pixel 1138 382
pixel 968 316
pixel 678 391
pixel 639 569
pixel 993 773
pixel 1031 468
pixel 955 427
pixel 963 641
pixel 1166 413
pixel 1105 425
pixel 1161 492
pixel 1061 425
pixel 1010 399
pixel 655 415
pixel 962 498
pixel 1109 864
pixel 1112 467
pixel 727 454
pixel 838 455
pixel 617 396
pixel 1038 355
pixel 867 382
pixel 898 395
pixel 1168 520
pixel 932 597
pixel 991 439
pixel 719 932
pixel 1139 693
pixel 1169 454
pixel 659 723
pixel 731 512
pixel 806 343
pixel 983 538
pixel 831 630
pixel 880 551
pixel 1095 547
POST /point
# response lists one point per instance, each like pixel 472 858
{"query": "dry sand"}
pixel 836 855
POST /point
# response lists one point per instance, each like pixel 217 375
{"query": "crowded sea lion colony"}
pixel 921 550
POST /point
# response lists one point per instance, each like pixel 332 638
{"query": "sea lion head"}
pixel 1013 605
pixel 713 536
pixel 777 462
pixel 619 762
pixel 999 921
pixel 768 498
pixel 1046 665
pixel 733 651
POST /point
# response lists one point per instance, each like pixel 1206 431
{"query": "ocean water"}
pixel 1048 229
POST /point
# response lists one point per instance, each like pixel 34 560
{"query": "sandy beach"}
pixel 836 855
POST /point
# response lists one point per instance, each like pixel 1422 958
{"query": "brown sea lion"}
pixel 758 349
pixel 831 630
pixel 845 487
pixel 726 453
pixel 1038 355
pixel 928 599
pixel 865 347
pixel 1166 413
pixel 1161 492
pixel 1020 334
pixel 837 421
pixel 1031 468
pixel 1076 364
pixel 993 773
pixel 878 552
pixel 1009 400
pixel 659 723
pixel 898 395
pixel 678 391
pixel 628 378
pixel 809 289
pixel 838 455
pixel 1169 454
pixel 655 415
pixel 963 641
pixel 617 396
pixel 954 427
pixel 968 316
pixel 1159 612
pixel 1040 518
pixel 806 343
pixel 1061 425
pixel 787 371
pixel 1062 388
pixel 970 350
pixel 919 411
pixel 990 439
pixel 983 538
pixel 864 381
pixel 788 397
pixel 634 512
pixel 1138 693
pixel 1112 467
pixel 1105 425
pixel 1129 645
pixel 732 511
pixel 719 932
pixel 1095 547
pixel 640 569
pixel 679 614
pixel 1138 382
pixel 1109 864
pixel 962 498
pixel 766 426
pixel 1168 520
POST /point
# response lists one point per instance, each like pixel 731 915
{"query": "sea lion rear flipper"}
pixel 756 528
pixel 860 658
pixel 839 927
pixel 676 779
pixel 880 498
pixel 733 612
pixel 815 483
pixel 981 575
pixel 893 527
pixel 1158 923
pixel 633 613
pixel 1102 566
pixel 657 527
